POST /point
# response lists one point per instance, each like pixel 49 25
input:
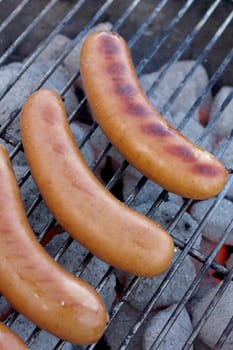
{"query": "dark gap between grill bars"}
pixel 186 249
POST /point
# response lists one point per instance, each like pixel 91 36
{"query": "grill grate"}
pixel 122 15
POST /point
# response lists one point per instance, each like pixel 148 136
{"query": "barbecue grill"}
pixel 159 33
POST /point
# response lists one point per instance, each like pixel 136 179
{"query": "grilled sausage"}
pixel 10 340
pixel 33 283
pixel 81 204
pixel 136 128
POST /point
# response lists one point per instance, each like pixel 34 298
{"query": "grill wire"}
pixel 101 10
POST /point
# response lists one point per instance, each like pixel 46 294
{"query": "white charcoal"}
pixel 120 327
pixel 229 262
pixel 94 271
pixel 187 96
pixel 93 275
pixel 174 291
pixel 26 84
pixel 61 42
pixel 227 161
pixel 219 318
pixel 29 192
pixel 216 224
pixel 185 227
pixel 87 150
pixel 223 126
pixel 177 334
pixel 71 62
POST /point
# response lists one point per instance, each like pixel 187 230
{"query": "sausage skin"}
pixel 10 340
pixel 136 128
pixel 81 204
pixel 33 283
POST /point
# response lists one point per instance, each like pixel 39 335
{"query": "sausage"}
pixel 135 127
pixel 10 340
pixel 108 228
pixel 33 283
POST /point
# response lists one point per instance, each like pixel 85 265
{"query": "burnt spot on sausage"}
pixel 116 68
pixel 108 45
pixel 124 89
pixel 183 152
pixel 50 118
pixel 206 170
pixel 137 109
pixel 11 242
pixel 29 267
pixel 6 231
pixel 156 129
pixel 59 148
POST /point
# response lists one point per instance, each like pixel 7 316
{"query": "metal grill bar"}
pixel 191 290
pixel 36 53
pixel 33 336
pixel 13 14
pixel 108 274
pixel 139 32
pixel 22 37
pixel 205 267
pixel 175 265
pixel 210 307
pixel 215 78
pixel 196 104
pixel 186 248
pixel 124 16
pixel 144 26
pixel 58 29
pixel 60 59
pixel 210 84
pixel 34 205
pixel 93 21
pixel 116 26
pixel 198 61
pixel 136 280
pixel 182 47
pixel 158 44
pixel 224 335
pixel 215 118
pixel 73 114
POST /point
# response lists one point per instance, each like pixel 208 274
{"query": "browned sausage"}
pixel 80 203
pixel 135 127
pixel 33 283
pixel 10 340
